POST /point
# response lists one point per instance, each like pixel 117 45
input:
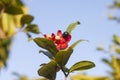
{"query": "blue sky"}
pixel 51 15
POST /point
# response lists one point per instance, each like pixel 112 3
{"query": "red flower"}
pixel 61 39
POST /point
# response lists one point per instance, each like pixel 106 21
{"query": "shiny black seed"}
pixel 65 34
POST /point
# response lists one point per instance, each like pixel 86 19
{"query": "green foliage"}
pixel 48 54
pixel 72 26
pixel 82 65
pixel 117 50
pixel 23 78
pixel 46 44
pixel 75 44
pixel 59 58
pixel 32 28
pixel 116 39
pixel 12 7
pixel 13 10
pixel 117 4
pixel 48 70
pixel 4 51
pixel 116 68
pixel 107 62
pixel 26 19
pixel 86 77
pixel 63 56
pixel 1 6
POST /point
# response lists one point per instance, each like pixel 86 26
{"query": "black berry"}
pixel 65 34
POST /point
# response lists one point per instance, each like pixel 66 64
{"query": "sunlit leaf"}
pixel 3 54
pixel 46 44
pixel 115 65
pixel 72 26
pixel 48 70
pixel 117 50
pixel 63 56
pixel 116 39
pixel 4 51
pixel 23 78
pixel 112 17
pixel 87 77
pixel 32 28
pixel 26 19
pixel 82 65
pixel 118 61
pixel 48 54
pixel 1 64
pixel 77 42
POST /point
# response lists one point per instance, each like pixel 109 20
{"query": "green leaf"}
pixel 23 78
pixel 6 1
pixel 77 42
pixel 82 65
pixel 106 61
pixel 1 6
pixel 32 28
pixel 117 50
pixel 115 65
pixel 48 54
pixel 46 44
pixel 19 2
pixel 65 69
pixel 63 56
pixel 26 19
pixel 13 10
pixel 48 70
pixel 118 61
pixel 116 39
pixel 117 3
pixel 72 26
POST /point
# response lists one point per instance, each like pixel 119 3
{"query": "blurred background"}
pixel 50 16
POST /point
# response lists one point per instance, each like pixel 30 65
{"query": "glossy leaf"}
pixel 48 70
pixel 13 10
pixel 32 28
pixel 82 65
pixel 26 19
pixel 63 56
pixel 72 26
pixel 48 54
pixel 77 42
pixel 46 44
